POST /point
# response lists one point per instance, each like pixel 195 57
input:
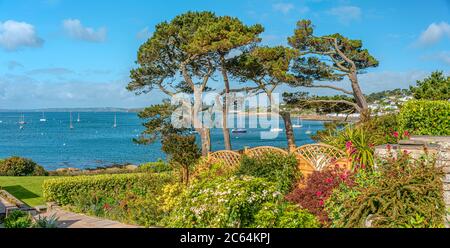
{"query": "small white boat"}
pixel 299 124
pixel 43 119
pixel 276 130
pixel 22 120
pixel 239 130
pixel 78 120
pixel 115 121
pixel 71 125
pixel 309 130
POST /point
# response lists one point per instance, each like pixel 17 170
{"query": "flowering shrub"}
pixel 277 168
pixel 319 186
pixel 130 198
pixel 404 193
pixel 222 202
pixel 284 215
pixel 425 117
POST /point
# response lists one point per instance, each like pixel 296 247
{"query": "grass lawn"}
pixel 27 189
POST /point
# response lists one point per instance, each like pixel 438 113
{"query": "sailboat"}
pixel 276 130
pixel 71 125
pixel 78 120
pixel 309 130
pixel 22 120
pixel 43 119
pixel 115 121
pixel 299 123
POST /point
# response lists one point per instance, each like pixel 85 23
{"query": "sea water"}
pixel 93 141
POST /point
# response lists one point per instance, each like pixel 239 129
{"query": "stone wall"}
pixel 438 146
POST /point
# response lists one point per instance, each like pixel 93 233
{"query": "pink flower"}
pixel 321 202
pixel 348 145
pixel 395 134
pixel 406 133
pixel 318 193
pixel 329 180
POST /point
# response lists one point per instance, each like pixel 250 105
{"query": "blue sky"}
pixel 77 53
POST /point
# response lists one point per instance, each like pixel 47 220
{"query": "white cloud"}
pixel 434 33
pixel 15 35
pixel 346 14
pixel 25 92
pixel 443 57
pixel 283 7
pixel 57 71
pixel 12 65
pixel 75 29
pixel 143 34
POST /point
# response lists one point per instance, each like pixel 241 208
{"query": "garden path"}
pixel 68 219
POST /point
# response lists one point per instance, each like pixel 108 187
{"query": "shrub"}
pixel 18 219
pixel 182 151
pixel 405 193
pixel 426 117
pixel 277 168
pixel 319 186
pixel 16 166
pixel 46 222
pixel 284 215
pixel 155 167
pixel 205 170
pixel 130 198
pixel 63 190
pixel 222 202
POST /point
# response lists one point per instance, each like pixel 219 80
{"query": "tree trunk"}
pixel 289 130
pixel 359 97
pixel 225 129
pixel 206 141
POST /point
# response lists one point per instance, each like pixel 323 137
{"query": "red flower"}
pixel 348 145
pixel 363 166
pixel 329 180
pixel 321 203
pixel 106 206
pixel 406 133
pixel 395 134
pixel 318 193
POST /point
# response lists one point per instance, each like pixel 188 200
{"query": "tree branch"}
pixel 348 92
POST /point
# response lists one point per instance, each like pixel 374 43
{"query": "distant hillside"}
pixel 108 109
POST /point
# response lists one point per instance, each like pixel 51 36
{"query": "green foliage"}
pixel 129 198
pixel 155 167
pixel 426 117
pixel 307 102
pixel 63 190
pixel 182 151
pixel 18 219
pixel 405 193
pixel 434 87
pixel 46 222
pixel 204 170
pixel 284 215
pixel 357 141
pixel 222 202
pixel 16 166
pixel 277 168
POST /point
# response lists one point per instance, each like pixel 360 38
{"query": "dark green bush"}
pixel 16 166
pixel 64 190
pixel 222 202
pixel 424 117
pixel 277 168
pixel 284 215
pixel 18 219
pixel 403 193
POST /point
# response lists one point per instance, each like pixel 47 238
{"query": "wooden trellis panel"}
pixel 230 158
pixel 259 151
pixel 316 157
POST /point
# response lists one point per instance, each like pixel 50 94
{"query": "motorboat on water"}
pixel 239 130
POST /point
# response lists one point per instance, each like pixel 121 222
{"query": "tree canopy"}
pixel 434 87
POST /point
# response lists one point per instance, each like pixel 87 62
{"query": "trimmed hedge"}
pixel 424 117
pixel 66 190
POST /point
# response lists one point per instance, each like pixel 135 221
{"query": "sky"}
pixel 78 53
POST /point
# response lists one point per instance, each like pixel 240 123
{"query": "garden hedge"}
pixel 423 117
pixel 65 190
